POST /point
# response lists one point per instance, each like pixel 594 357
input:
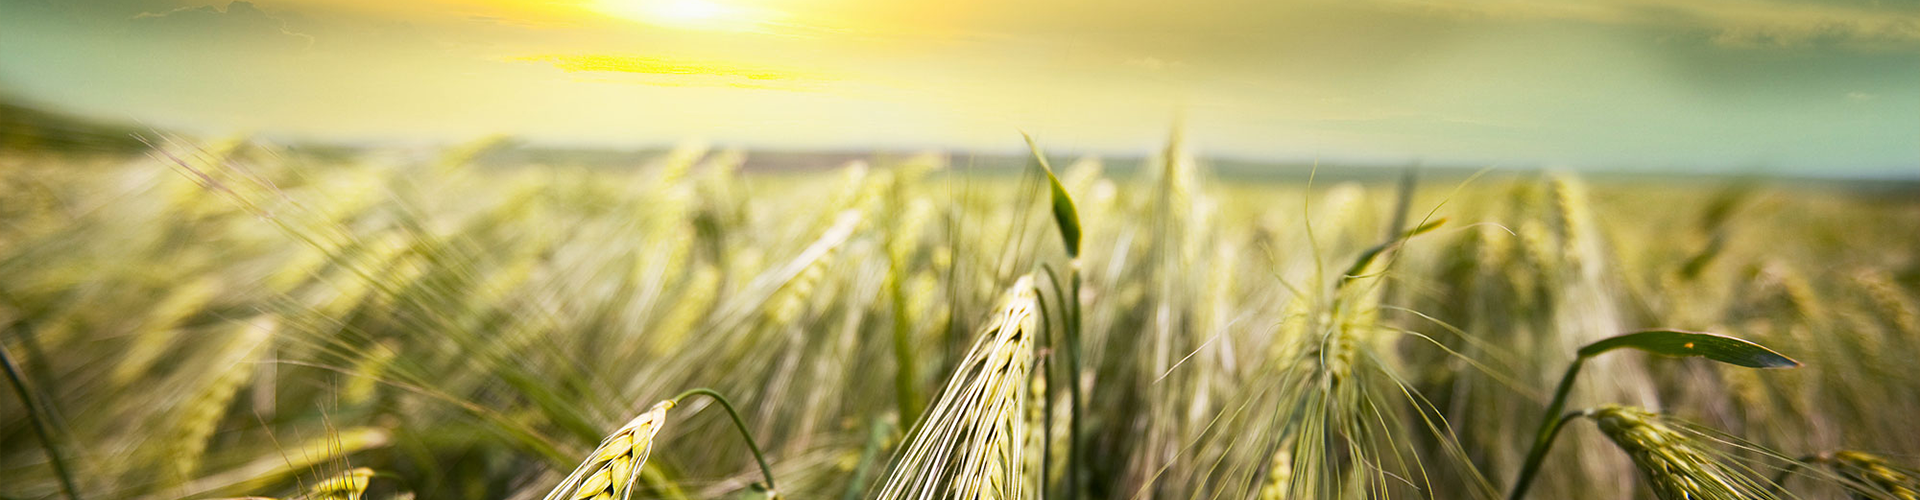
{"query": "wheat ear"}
pixel 1878 477
pixel 971 443
pixel 1675 466
pixel 612 468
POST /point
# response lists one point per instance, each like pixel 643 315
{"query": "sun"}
pixel 687 11
pixel 694 14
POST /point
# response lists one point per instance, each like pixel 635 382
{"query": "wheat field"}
pixel 219 319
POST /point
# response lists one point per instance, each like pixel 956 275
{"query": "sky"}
pixel 1820 86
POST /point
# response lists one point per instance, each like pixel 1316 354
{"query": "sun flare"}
pixel 693 14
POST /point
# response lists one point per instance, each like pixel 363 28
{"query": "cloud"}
pixel 238 22
pixel 1728 23
pixel 679 73
pixel 1802 24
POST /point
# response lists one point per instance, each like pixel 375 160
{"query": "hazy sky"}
pixel 1718 84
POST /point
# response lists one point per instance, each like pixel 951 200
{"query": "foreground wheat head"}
pixel 1674 464
pixel 971 442
pixel 612 468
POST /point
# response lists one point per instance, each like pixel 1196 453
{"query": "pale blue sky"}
pixel 1826 86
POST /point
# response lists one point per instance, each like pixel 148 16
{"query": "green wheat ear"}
pixel 1683 344
pixel 1064 215
pixel 1675 465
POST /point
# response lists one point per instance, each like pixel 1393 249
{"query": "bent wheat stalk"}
pixel 39 428
pixel 738 424
pixel 614 466
pixel 1672 343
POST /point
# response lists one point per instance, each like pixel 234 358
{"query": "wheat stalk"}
pixel 1038 423
pixel 17 381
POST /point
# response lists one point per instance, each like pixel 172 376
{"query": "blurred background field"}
pixel 217 318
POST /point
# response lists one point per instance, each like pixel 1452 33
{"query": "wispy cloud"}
pixel 236 21
pixel 680 73
pixel 1730 23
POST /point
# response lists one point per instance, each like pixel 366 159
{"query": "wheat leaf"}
pixel 1064 215
pixel 1677 343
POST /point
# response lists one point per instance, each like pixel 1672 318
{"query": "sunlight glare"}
pixel 699 14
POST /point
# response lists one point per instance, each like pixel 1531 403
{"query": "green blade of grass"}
pixel 1678 343
pixel 1064 214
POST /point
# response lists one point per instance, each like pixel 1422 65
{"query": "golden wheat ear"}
pixel 971 442
pixel 610 471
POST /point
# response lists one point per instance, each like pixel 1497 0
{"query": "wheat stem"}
pixel 1070 317
pixel 1540 448
pixel 1045 365
pixel 875 439
pixel 1073 382
pixel 1549 427
pixel 905 375
pixel 737 423
pixel 1716 347
pixel 39 428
